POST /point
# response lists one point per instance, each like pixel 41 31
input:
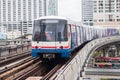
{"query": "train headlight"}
pixel 36 47
pixel 61 47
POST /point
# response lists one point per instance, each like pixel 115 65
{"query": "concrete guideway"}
pixel 102 76
pixel 74 70
pixel 102 71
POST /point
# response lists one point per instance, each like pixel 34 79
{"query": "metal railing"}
pixel 13 49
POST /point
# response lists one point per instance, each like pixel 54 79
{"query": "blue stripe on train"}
pixel 65 53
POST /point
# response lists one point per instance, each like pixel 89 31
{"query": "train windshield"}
pixel 50 30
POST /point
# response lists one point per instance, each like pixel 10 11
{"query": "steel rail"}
pixel 10 60
pixel 49 74
pixel 17 63
pixel 7 58
pixel 15 70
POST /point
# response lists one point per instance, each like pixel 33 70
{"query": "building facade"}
pixel 3 29
pixel 3 33
pixel 19 14
pixel 106 13
pixel 52 7
pixel 13 34
pixel 87 12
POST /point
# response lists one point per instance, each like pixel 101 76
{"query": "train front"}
pixel 50 39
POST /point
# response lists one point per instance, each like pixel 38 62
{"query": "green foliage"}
pixel 97 53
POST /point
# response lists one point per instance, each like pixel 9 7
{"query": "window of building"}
pixel 118 10
pixel 118 19
pixel 95 1
pixel 110 19
pixel 100 20
pixel 117 16
pixel 106 10
pixel 95 20
pixel 112 10
pixel 95 11
pixel 100 11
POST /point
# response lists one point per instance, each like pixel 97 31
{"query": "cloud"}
pixel 70 9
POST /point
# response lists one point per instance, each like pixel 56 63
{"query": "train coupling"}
pixel 49 56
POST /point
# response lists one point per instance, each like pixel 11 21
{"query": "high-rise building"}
pixel 3 29
pixel 106 12
pixel 52 7
pixel 19 14
pixel 87 12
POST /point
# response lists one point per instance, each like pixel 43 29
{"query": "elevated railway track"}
pixel 18 70
pixel 57 71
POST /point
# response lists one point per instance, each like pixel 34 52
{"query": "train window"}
pixel 48 30
pixel 82 34
pixel 78 34
pixel 49 21
pixel 36 31
pixel 74 35
pixel 87 34
pixel 90 33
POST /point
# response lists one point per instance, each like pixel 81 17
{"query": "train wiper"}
pixel 59 37
pixel 37 41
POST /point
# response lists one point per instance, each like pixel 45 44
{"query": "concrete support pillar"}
pixel 107 52
pixel 104 52
pixel 101 53
pixel 118 50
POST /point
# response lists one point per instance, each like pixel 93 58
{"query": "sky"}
pixel 70 9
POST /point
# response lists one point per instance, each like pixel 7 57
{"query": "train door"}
pixel 61 34
pixel 53 33
pixel 94 33
pixel 90 31
pixel 87 33
pixel 81 34
pixel 73 36
pixel 78 35
pixel 49 30
pixel 106 33
pixel 84 37
pixel 100 33
pixel 103 33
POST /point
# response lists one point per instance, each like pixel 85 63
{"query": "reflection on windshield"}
pixel 47 30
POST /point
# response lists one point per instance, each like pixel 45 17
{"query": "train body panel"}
pixel 58 36
pixel 58 48
pixel 64 53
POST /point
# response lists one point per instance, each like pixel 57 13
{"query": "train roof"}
pixel 74 22
pixel 100 27
pixel 51 17
pixel 59 17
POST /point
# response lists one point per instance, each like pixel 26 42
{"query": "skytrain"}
pixel 55 36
